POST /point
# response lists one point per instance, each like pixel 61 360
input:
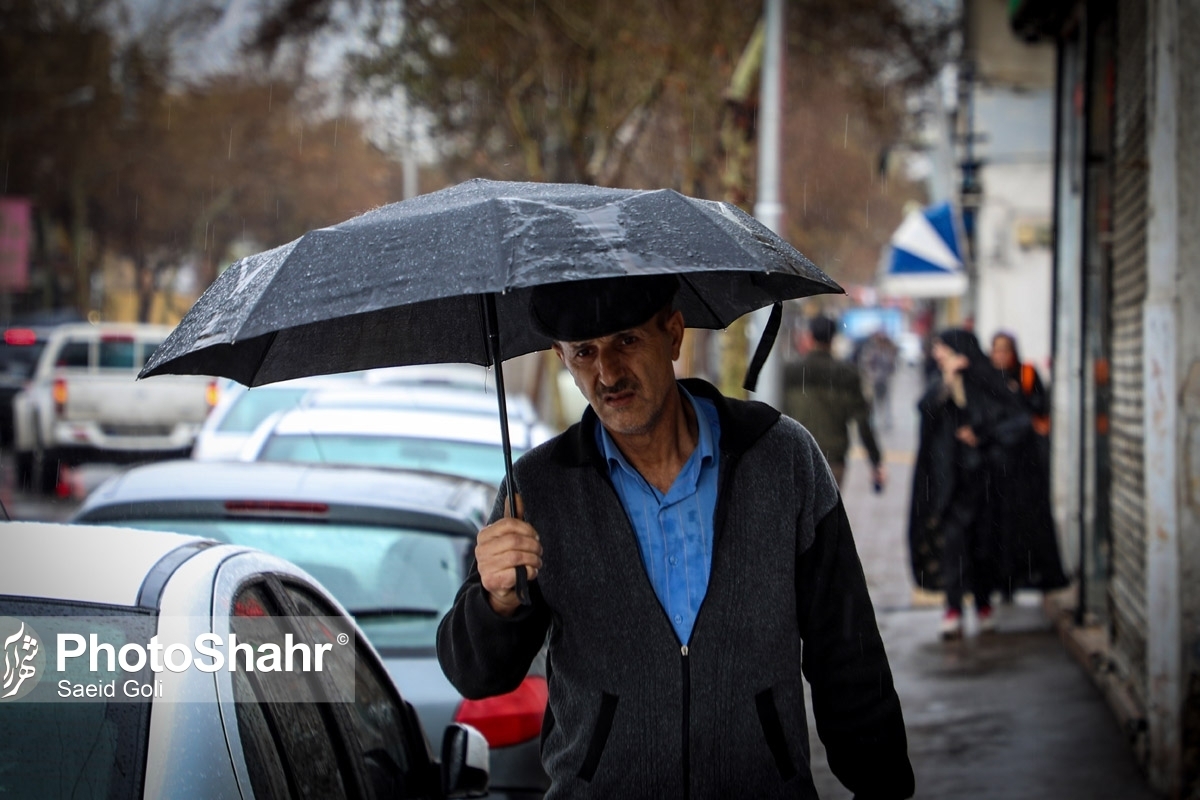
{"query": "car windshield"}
pixel 398 582
pixel 481 462
pixel 71 748
pixel 254 406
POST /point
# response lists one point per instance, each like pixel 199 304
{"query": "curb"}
pixel 1089 645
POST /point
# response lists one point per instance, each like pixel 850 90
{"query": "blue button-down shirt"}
pixel 674 530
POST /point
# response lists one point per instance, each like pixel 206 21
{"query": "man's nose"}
pixel 610 366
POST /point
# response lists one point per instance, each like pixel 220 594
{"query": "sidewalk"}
pixel 1010 715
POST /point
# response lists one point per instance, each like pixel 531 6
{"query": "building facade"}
pixel 1126 436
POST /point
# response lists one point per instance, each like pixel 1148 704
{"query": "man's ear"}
pixel 675 326
pixel 558 351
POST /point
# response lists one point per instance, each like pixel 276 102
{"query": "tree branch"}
pixel 529 145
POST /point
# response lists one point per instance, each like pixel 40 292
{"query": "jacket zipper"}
pixel 729 461
pixel 724 482
pixel 687 705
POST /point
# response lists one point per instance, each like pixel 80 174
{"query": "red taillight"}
pixel 20 337
pixel 508 718
pixel 294 508
pixel 212 394
pixel 59 392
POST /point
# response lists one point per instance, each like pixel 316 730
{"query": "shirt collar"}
pixel 740 423
pixel 706 420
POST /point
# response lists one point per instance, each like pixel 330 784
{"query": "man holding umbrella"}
pixel 684 551
pixel 684 546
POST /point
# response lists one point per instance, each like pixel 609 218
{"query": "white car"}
pixel 114 689
pixel 83 402
pixel 239 410
pixel 522 416
pixel 463 387
pixel 447 441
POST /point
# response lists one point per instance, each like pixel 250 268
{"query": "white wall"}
pixel 1014 282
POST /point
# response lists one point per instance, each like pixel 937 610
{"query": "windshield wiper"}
pixel 371 613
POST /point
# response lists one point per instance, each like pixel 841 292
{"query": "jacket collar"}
pixel 742 424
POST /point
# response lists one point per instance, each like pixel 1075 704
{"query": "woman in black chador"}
pixel 969 420
pixel 1025 523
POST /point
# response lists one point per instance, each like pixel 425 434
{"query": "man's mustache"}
pixel 625 385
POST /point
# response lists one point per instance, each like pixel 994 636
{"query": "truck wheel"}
pixel 45 471
pixel 24 468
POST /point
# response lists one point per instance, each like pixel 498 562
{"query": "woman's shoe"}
pixel 951 627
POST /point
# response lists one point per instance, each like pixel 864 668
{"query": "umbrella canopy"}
pixel 446 277
pixel 406 283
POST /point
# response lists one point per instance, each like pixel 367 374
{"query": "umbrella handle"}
pixel 523 586
pixel 491 322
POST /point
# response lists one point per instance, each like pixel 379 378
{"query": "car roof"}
pixel 416 396
pixel 464 376
pixel 365 495
pixel 422 423
pixel 129 328
pixel 81 563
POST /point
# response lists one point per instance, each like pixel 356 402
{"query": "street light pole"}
pixel 767 208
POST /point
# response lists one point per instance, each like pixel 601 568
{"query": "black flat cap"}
pixel 579 310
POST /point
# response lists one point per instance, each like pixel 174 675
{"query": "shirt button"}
pixel 678 619
pixel 673 560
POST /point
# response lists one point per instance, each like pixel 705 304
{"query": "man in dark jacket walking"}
pixel 688 557
pixel 825 395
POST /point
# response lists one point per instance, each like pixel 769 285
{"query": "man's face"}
pixel 627 376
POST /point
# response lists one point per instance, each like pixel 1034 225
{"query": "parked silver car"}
pixel 446 440
pixel 239 410
pixel 392 546
pixel 76 720
pixel 462 387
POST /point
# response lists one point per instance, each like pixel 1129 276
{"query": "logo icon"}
pixel 23 659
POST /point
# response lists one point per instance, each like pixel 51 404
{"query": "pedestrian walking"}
pixel 665 496
pixel 877 361
pixel 1028 546
pixel 968 416
pixel 1023 381
pixel 825 395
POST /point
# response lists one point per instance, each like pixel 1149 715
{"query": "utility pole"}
pixel 768 210
pixel 411 186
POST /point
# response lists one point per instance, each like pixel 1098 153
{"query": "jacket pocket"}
pixel 604 721
pixel 768 717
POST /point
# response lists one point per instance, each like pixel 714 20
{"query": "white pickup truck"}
pixel 83 402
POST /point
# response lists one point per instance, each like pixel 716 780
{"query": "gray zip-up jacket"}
pixel 634 712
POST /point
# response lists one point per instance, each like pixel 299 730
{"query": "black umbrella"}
pixel 445 277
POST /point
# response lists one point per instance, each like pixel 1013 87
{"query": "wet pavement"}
pixel 998 716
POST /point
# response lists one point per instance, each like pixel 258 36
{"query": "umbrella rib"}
pixel 764 241
pixel 700 296
pixel 262 359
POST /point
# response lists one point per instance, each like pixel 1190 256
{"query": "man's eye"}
pixel 629 340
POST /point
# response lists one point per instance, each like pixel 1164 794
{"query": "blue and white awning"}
pixel 924 258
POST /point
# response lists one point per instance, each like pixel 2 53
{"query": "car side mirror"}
pixel 464 762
